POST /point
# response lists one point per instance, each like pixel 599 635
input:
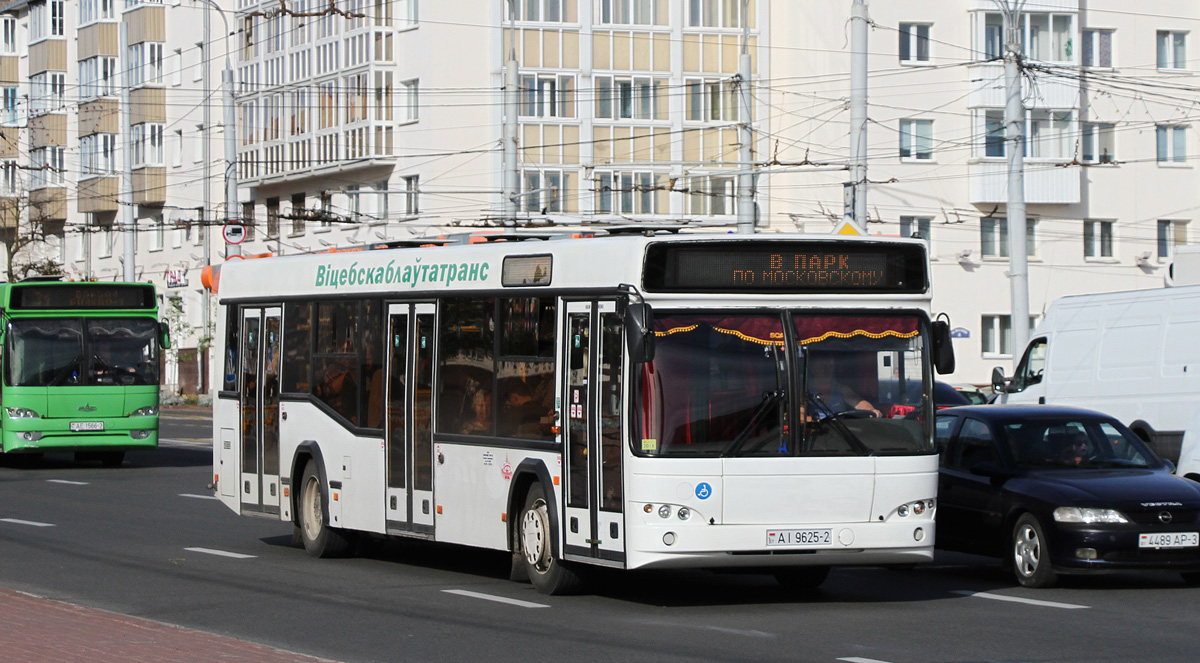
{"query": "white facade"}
pixel 386 122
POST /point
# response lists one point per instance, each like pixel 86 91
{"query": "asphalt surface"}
pixel 146 541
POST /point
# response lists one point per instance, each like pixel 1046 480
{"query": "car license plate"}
pixel 1169 540
pixel 799 537
pixel 77 426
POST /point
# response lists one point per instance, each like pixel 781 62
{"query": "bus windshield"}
pixel 49 352
pixel 785 385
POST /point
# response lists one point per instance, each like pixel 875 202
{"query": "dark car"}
pixel 1061 490
pixel 945 395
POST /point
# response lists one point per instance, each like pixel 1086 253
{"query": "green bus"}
pixel 81 368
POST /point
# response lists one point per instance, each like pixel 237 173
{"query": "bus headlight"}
pixel 664 511
pixel 149 411
pixel 22 413
pixel 29 435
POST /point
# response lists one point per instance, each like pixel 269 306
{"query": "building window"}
pixel 157 232
pixel 1172 49
pixel 914 43
pixel 410 100
pixel 993 36
pixel 11 104
pixel 106 242
pixel 98 154
pixel 1097 48
pixel 1051 134
pixel 1172 143
pixel 94 10
pixel 1099 142
pixel 248 219
pixel 632 98
pixel 97 76
pixel 712 196
pixel 544 192
pixel 993 237
pixel 545 11
pixel 48 90
pixel 47 167
pixel 633 12
pixel 8 35
pixel 1046 37
pixel 298 213
pixel 714 14
pixel 993 136
pixel 146 63
pixel 147 145
pixel 272 217
pixel 412 191
pixel 916 139
pixel 712 100
pixel 548 96
pixel 406 12
pixel 916 226
pixel 1097 239
pixel 1170 235
pixel 46 20
pixel 381 202
pixel 177 152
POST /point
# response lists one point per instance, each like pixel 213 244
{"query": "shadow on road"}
pixel 161 457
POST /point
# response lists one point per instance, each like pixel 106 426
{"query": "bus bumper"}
pixel 119 434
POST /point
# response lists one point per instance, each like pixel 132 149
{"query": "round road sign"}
pixel 234 233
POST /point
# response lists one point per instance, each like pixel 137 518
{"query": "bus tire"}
pixel 548 574
pixel 320 540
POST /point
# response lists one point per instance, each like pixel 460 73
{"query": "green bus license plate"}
pixel 1169 540
pixel 799 537
pixel 77 426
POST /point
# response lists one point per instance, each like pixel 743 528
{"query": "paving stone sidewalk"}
pixel 39 630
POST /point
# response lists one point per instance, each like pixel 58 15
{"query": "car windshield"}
pixel 49 352
pixel 731 385
pixel 1074 443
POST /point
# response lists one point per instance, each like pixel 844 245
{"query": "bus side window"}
pixel 297 347
pixel 466 366
pixel 232 317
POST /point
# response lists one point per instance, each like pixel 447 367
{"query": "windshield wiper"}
pixel 834 419
pixel 760 412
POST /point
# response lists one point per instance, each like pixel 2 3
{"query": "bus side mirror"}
pixel 164 336
pixel 639 332
pixel 943 347
pixel 999 382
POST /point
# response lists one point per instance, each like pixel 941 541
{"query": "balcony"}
pixel 1045 183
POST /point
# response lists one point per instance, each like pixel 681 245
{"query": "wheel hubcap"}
pixel 313 515
pixel 1027 551
pixel 534 528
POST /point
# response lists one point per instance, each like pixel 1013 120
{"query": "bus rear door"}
pixel 592 409
pixel 260 353
pixel 409 422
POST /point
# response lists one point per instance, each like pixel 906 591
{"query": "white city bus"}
pixel 627 400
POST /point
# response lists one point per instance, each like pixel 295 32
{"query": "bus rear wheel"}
pixel 548 574
pixel 320 540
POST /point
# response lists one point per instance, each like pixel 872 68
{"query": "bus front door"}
pixel 592 414
pixel 260 354
pixel 409 422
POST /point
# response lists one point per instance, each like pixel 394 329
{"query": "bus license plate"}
pixel 1169 540
pixel 77 426
pixel 799 537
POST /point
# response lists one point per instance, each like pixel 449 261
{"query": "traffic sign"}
pixel 234 233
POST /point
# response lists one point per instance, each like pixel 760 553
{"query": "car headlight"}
pixel 22 413
pixel 1074 514
pixel 149 411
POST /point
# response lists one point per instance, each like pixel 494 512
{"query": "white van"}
pixel 1134 355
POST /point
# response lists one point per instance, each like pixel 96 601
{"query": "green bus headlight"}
pixel 22 413
pixel 148 411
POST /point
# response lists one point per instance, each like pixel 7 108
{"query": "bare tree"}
pixel 26 221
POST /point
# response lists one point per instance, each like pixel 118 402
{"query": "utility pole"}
pixel 859 22
pixel 1014 121
pixel 512 100
pixel 206 157
pixel 128 209
pixel 231 160
pixel 745 196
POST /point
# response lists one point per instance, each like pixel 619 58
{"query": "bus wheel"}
pixel 548 574
pixel 802 577
pixel 320 540
pixel 112 458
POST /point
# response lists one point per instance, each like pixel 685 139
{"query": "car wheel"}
pixel 1030 554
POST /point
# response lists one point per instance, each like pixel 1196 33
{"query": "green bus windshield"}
pixel 49 352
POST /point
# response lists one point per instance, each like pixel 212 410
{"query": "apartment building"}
pixel 367 121
pixel 61 156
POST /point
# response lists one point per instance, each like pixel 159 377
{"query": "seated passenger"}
pixel 835 395
pixel 478 419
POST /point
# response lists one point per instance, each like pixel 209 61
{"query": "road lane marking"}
pixel 220 553
pixel 31 523
pixel 69 483
pixel 855 659
pixel 497 599
pixel 1017 599
pixel 198 497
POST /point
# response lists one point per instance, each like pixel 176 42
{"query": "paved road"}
pixel 145 540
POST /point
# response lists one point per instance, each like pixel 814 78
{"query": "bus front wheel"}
pixel 548 574
pixel 320 540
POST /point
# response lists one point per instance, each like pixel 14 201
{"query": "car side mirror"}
pixel 164 336
pixel 639 332
pixel 999 382
pixel 1169 465
pixel 991 470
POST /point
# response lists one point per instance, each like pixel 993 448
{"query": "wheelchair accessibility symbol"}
pixel 704 491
